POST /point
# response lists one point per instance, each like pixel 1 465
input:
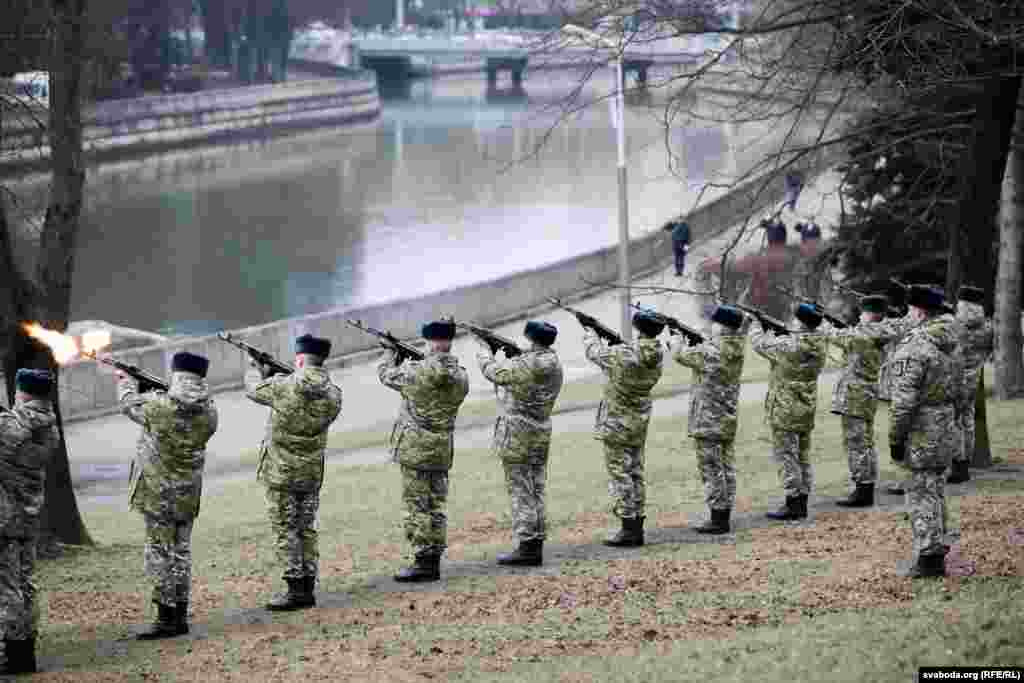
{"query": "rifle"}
pixel 767 322
pixel 147 382
pixel 837 323
pixel 693 337
pixel 258 355
pixel 495 341
pixel 389 341
pixel 850 290
pixel 590 322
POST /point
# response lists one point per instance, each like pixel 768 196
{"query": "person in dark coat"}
pixel 680 230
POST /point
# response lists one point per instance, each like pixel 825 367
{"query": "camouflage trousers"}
pixel 792 454
pixel 293 523
pixel 926 496
pixel 859 441
pixel 19 614
pixel 168 558
pixel 626 486
pixel 526 484
pixel 425 495
pixel 966 451
pixel 717 465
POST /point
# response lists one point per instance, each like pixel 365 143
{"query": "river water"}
pixel 453 185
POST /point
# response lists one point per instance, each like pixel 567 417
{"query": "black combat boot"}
pixel 21 656
pixel 424 568
pixel 181 616
pixel 165 625
pixel 294 598
pixel 528 554
pixel 718 524
pixel 862 497
pixel 631 535
pixel 310 588
pixel 927 567
pixel 788 510
pixel 959 472
pixel 897 489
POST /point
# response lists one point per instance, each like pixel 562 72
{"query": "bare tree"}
pixel 45 296
pixel 1009 370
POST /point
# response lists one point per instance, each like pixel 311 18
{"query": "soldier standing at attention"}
pixel 923 436
pixel 796 361
pixel 529 384
pixel 631 370
pixel 976 343
pixel 303 405
pixel 712 423
pixel 27 438
pixel 167 480
pixel 854 395
pixel 423 443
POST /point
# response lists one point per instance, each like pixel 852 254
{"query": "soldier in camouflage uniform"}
pixel 423 443
pixel 712 424
pixel 897 323
pixel 632 370
pixel 529 385
pixel 28 436
pixel 303 405
pixel 167 480
pixel 975 344
pixel 796 361
pixel 923 437
pixel 854 395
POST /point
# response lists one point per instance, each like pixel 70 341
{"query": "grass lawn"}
pixel 806 602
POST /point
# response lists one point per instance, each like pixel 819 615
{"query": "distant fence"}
pixel 88 389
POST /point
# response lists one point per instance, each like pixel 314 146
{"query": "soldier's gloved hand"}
pixel 898 451
pixel 484 346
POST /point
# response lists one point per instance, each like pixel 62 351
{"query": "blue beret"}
pixel 972 295
pixel 439 329
pixel 728 316
pixel 928 297
pixel 540 332
pixel 315 346
pixel 874 303
pixel 809 315
pixel 183 361
pixel 35 382
pixel 647 324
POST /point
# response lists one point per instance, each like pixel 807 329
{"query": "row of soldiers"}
pixel 932 364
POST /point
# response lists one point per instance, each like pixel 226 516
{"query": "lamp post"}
pixel 620 139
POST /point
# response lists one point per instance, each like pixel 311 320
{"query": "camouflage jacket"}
pixel 976 342
pixel 167 474
pixel 796 361
pixel 925 388
pixel 892 331
pixel 861 346
pixel 632 371
pixel 717 372
pixel 528 386
pixel 28 437
pixel 432 391
pixel 303 405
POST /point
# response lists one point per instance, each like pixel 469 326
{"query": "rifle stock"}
pixel 495 341
pixel 258 355
pixel 590 322
pixel 767 322
pixel 835 321
pixel 389 341
pixel 147 382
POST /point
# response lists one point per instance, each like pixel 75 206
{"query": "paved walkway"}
pixel 102 449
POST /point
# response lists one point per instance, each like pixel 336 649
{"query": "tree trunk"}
pixel 1009 368
pixel 982 456
pixel 972 230
pixel 60 518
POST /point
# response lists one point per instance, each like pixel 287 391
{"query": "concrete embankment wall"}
pixel 147 124
pixel 88 388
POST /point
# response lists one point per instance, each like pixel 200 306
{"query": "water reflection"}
pixel 455 184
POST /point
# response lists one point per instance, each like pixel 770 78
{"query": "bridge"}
pixel 393 56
